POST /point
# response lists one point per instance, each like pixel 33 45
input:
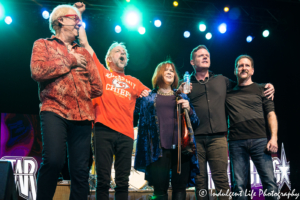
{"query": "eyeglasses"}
pixel 76 19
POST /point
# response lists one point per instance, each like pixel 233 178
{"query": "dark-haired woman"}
pixel 158 134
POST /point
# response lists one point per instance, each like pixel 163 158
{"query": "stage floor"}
pixel 63 193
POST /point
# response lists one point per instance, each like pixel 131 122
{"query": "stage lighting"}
pixel 132 18
pixel 128 1
pixel 208 36
pixel 222 28
pixel 202 27
pixel 1 11
pixel 8 20
pixel 266 33
pixel 142 30
pixel 249 39
pixel 186 34
pixel 118 29
pixel 226 9
pixel 83 24
pixel 157 23
pixel 175 3
pixel 45 14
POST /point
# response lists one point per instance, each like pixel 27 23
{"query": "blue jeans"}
pixel 239 152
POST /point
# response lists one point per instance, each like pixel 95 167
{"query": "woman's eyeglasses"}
pixel 76 18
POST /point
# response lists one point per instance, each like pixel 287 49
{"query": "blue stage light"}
pixel 83 24
pixel 45 14
pixel 186 34
pixel 249 39
pixel 222 28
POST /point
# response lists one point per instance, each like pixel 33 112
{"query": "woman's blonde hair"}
pixel 58 12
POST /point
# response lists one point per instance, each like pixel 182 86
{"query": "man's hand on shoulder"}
pixel 270 91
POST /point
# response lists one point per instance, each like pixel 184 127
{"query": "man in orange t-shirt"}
pixel 114 118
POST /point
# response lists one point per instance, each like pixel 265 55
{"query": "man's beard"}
pixel 243 78
pixel 119 64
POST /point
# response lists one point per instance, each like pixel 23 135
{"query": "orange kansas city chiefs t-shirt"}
pixel 116 105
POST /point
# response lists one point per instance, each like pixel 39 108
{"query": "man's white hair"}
pixel 58 12
pixel 113 45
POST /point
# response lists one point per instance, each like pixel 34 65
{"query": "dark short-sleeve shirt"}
pixel 246 107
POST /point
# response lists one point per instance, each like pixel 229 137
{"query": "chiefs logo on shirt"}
pixel 120 84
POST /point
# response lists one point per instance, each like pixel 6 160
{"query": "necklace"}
pixel 170 93
pixel 203 82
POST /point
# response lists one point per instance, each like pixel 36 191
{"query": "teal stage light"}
pixel 142 30
pixel 208 36
pixel 8 20
pixel 118 29
pixel 266 33
pixel 157 23
pixel 132 18
pixel 2 12
pixel 202 27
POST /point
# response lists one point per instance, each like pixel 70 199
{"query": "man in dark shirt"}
pixel 247 107
pixel 208 98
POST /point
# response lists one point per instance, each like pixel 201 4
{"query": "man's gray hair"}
pixel 113 45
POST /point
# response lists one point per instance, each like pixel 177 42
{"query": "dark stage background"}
pixel 276 57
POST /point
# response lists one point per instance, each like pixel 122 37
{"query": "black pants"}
pixel 108 143
pixel 59 134
pixel 159 172
pixel 212 149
